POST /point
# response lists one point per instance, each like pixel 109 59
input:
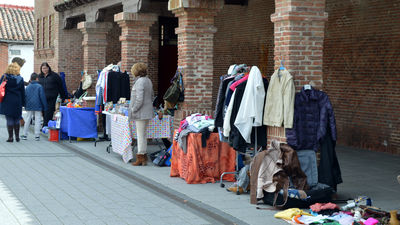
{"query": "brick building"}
pixel 16 37
pixel 347 48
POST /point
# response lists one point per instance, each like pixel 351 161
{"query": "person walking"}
pixel 53 87
pixel 141 109
pixel 13 101
pixel 35 104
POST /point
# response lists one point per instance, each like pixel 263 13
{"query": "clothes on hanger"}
pixel 279 105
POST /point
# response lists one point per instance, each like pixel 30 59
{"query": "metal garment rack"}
pixel 236 172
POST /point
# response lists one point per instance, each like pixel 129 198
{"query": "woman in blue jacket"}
pixel 13 100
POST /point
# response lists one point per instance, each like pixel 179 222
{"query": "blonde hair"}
pixel 139 70
pixel 13 69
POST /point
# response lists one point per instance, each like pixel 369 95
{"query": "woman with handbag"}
pixel 53 87
pixel 141 109
pixel 13 100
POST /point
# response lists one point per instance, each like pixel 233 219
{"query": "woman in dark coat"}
pixel 53 87
pixel 13 100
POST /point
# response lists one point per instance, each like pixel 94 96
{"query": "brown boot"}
pixel 140 160
pixel 10 130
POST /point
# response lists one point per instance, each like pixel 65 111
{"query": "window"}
pixel 45 32
pixel 15 52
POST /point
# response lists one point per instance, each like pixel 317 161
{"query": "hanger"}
pixel 308 86
pixel 282 67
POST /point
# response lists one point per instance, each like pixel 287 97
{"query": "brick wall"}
pixel 71 57
pixel 245 35
pixel 113 45
pixel 361 72
pixel 3 57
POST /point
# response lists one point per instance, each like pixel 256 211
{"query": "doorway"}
pixel 168 54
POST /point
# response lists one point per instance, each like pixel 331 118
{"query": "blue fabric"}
pixel 308 163
pixel 78 122
pixel 64 85
pixel 12 121
pixel 14 98
pixel 35 97
pixel 313 116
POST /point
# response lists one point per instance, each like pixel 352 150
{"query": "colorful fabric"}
pixel 156 128
pixel 121 138
pixel 202 165
pixel 288 214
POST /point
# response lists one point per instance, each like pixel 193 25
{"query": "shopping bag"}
pixel 3 89
pixel 168 161
pixel 161 157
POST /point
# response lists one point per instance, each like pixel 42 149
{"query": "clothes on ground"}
pixel 288 214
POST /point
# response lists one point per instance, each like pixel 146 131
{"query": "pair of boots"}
pixel 141 160
pixel 10 130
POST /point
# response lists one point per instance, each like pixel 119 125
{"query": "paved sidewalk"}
pixel 43 183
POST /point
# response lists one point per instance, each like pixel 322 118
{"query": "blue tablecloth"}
pixel 78 122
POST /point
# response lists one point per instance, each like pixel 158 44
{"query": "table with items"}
pixel 202 164
pixel 78 122
pixel 123 131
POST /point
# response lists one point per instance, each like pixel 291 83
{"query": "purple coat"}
pixel 313 115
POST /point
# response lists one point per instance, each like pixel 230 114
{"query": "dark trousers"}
pixel 51 107
pixel 12 121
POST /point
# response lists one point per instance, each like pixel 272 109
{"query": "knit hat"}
pixel 19 61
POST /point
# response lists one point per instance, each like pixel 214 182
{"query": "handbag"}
pixel 87 81
pixel 3 89
pixel 173 92
pixel 161 158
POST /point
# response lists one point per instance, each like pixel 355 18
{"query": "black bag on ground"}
pixel 315 196
pixel 161 157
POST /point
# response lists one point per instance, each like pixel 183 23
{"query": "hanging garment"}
pixel 251 111
pixel 220 101
pixel 118 86
pixel 329 169
pixel 308 163
pixel 279 105
pixel 312 114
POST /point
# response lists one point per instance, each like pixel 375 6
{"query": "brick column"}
pixel 94 48
pixel 299 38
pixel 195 54
pixel 135 37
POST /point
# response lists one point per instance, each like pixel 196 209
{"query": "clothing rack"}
pixel 236 172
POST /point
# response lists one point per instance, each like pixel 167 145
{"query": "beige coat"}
pixel 263 168
pixel 279 103
pixel 141 105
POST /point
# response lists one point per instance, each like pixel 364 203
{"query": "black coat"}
pixel 14 98
pixel 313 112
pixel 118 86
pixel 52 85
pixel 218 113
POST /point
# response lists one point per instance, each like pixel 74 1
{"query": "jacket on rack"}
pixel 118 86
pixel 329 170
pixel 280 100
pixel 312 113
pixel 218 113
pixel 250 112
pixel 236 139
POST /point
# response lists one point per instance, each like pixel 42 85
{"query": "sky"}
pixel 18 2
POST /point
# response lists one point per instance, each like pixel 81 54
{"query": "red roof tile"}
pixel 16 23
